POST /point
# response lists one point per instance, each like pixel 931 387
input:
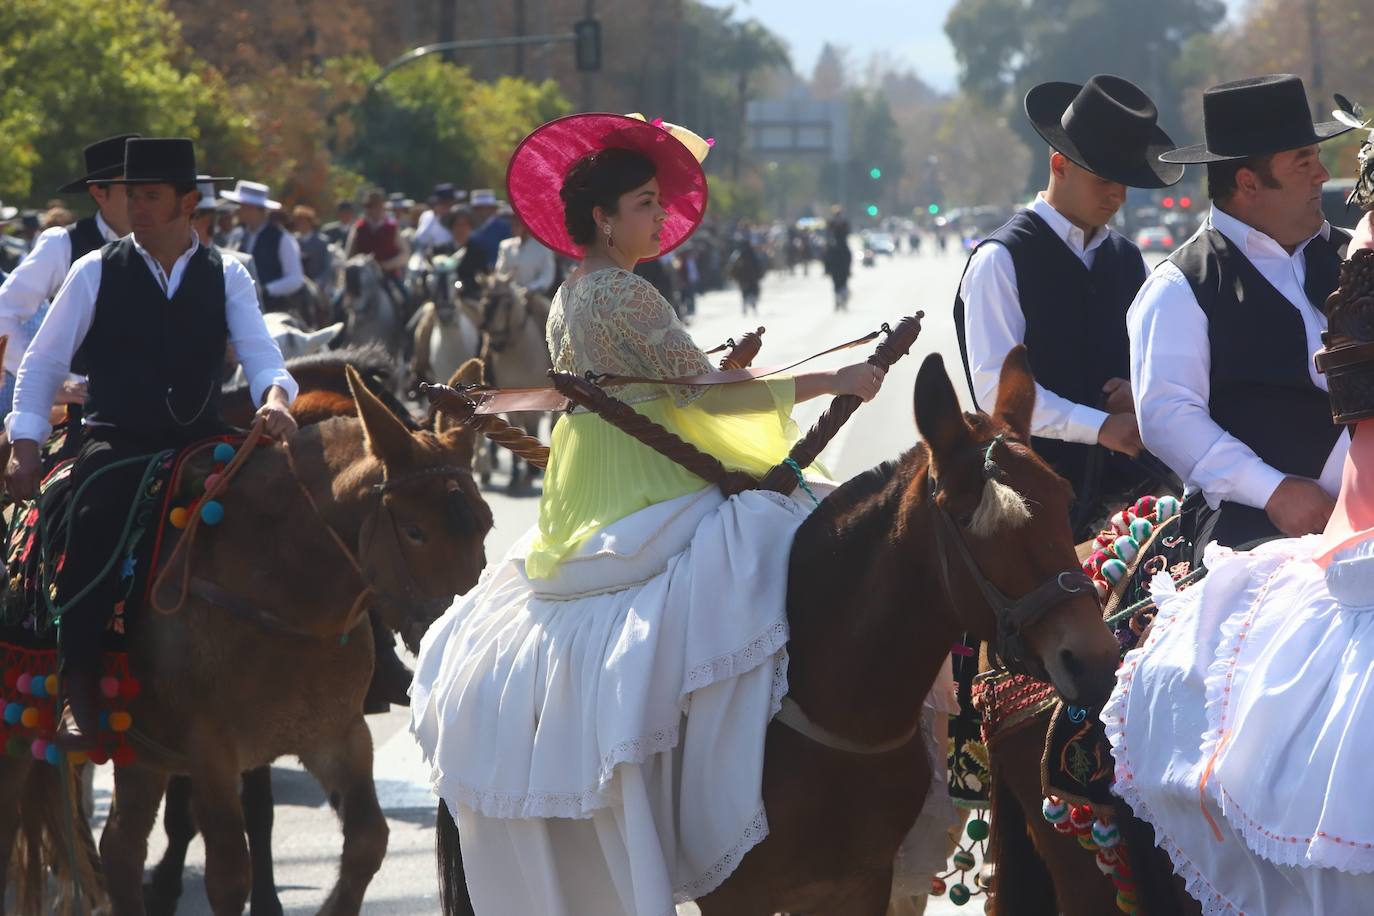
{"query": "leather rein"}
pixel 1013 615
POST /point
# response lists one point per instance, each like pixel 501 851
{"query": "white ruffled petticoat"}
pixel 599 735
pixel 1264 672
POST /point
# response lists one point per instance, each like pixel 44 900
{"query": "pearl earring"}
pixel 610 239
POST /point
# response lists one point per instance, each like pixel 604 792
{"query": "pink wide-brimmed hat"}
pixel 542 160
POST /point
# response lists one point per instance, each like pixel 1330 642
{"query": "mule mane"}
pixel 325 371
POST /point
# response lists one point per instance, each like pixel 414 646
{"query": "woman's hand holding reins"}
pixel 861 380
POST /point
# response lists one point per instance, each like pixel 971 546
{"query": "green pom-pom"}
pixel 978 830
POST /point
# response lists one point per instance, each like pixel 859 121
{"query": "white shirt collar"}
pixel 169 283
pixel 1252 242
pixel 106 232
pixel 1070 234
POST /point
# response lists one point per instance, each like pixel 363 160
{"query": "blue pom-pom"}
pixel 13 711
pixel 38 687
pixel 104 720
pixel 223 453
pixel 52 755
pixel 212 512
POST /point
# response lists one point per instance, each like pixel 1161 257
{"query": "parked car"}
pixel 881 243
pixel 1155 238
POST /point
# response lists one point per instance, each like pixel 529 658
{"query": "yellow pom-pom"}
pixel 120 721
pixel 178 517
pixel 29 718
pixel 50 682
pixel 76 758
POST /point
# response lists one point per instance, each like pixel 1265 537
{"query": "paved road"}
pixel 797 311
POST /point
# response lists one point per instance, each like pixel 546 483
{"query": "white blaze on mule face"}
pixel 1001 506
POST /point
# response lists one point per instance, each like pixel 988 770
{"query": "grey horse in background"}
pixel 371 312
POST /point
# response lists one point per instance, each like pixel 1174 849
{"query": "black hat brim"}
pixel 1199 153
pixel 1045 106
pixel 199 179
pixel 99 175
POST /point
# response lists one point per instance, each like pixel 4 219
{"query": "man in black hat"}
pixel 37 279
pixel 1059 280
pixel 149 391
pixel 1223 332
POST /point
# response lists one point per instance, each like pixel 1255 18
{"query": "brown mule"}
pixel 876 599
pixel 223 694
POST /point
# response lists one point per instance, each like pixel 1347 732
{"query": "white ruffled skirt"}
pixel 1264 673
pixel 599 735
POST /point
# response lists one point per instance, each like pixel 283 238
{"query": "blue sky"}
pixel 910 30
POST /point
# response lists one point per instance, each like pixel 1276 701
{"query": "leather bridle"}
pixel 1013 615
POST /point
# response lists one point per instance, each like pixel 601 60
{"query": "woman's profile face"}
pixel 638 221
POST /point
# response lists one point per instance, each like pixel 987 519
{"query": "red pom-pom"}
pixel 47 720
pixel 98 756
pixel 123 756
pixel 130 688
pixel 1081 816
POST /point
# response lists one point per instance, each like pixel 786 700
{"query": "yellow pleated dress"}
pixel 613 321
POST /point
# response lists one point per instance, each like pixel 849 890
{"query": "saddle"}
pixel 35 544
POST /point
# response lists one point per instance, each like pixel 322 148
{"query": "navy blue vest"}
pixel 154 364
pixel 1261 388
pixel 85 237
pixel 1075 320
pixel 267 253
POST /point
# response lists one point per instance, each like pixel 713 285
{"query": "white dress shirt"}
pixel 994 323
pixel 529 263
pixel 36 280
pixel 48 359
pixel 1171 364
pixel 430 233
pixel 289 251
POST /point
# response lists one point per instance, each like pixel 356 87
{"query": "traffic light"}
pixel 1168 203
pixel 875 173
pixel 587 45
pixel 872 209
pixel 933 209
pixel 1185 202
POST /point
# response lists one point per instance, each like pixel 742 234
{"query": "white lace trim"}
pixel 1213 902
pixel 725 866
pixel 1354 856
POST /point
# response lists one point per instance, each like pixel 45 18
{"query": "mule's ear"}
pixel 469 373
pixel 386 436
pixel 938 416
pixel 1016 393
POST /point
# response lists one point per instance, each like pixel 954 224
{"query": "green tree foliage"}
pixel 1006 46
pixel 79 70
pixel 431 121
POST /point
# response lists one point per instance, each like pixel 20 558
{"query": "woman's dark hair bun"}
pixel 598 180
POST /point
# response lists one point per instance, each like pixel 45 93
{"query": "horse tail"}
pixel 1022 885
pixel 54 842
pixel 453 882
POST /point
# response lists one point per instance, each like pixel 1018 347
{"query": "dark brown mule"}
pixel 317 401
pixel 223 694
pixel 878 593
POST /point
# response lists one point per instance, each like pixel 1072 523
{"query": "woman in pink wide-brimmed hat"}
pixel 594 710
